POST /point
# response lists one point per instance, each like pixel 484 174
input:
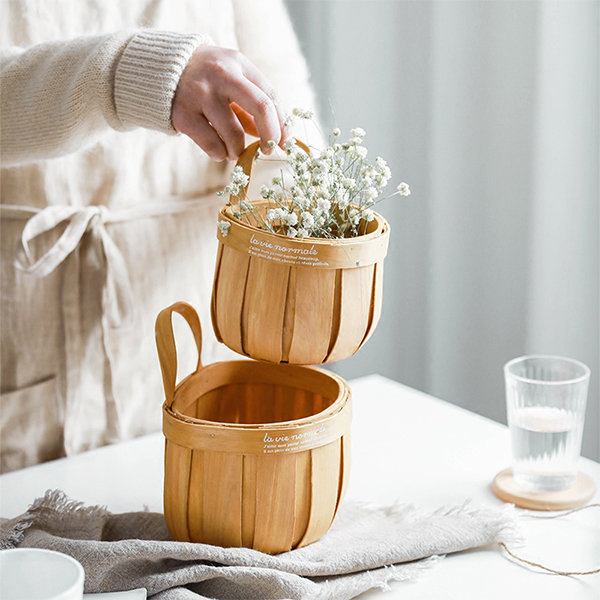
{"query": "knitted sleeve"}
pixel 60 96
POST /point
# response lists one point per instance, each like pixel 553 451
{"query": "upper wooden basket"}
pixel 300 301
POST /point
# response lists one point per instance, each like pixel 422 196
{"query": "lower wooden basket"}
pixel 257 454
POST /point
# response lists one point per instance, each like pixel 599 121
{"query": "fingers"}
pixel 255 102
pixel 197 127
pixel 221 95
pixel 229 129
pixel 253 74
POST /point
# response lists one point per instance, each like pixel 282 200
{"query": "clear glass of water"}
pixel 545 403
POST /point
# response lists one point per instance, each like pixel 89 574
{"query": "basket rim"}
pixel 335 407
pixel 383 227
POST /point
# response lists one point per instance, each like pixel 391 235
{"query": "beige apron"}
pixel 80 291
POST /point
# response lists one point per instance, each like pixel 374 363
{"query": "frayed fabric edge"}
pixel 12 534
pixel 12 531
pixel 504 519
pixel 378 579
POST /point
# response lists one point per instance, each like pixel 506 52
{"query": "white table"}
pixel 406 446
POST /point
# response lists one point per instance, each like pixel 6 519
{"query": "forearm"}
pixel 58 97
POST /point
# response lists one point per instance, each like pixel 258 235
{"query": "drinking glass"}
pixel 545 403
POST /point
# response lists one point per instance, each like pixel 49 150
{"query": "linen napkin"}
pixel 367 547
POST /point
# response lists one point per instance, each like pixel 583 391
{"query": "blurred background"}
pixel 490 111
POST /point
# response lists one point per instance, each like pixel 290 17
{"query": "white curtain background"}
pixel 489 109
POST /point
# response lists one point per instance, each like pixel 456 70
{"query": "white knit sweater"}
pixel 87 87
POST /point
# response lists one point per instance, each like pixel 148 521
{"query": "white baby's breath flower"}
pixel 224 227
pixel 355 141
pixel 349 183
pixel 271 144
pixel 266 192
pixel 289 144
pixel 336 132
pixel 244 205
pixel 273 214
pixel 307 219
pixel 358 132
pixel 403 189
pixel 368 215
pixel 370 193
pixel 238 177
pixel 381 181
pixel 302 233
pixel 291 218
pixel 361 151
pixel 323 205
pixel 276 180
pixel 291 232
pixel 301 203
pixel 368 172
pixel 303 113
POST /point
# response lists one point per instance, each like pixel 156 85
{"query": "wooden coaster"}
pixel 508 490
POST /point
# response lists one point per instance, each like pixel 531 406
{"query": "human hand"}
pixel 221 95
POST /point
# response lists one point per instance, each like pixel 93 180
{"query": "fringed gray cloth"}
pixel 366 548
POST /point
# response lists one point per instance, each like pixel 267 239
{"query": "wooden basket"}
pixel 257 455
pixel 299 301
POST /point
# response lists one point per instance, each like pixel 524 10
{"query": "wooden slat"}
pixel 195 497
pixel 355 308
pixel 257 398
pixel 275 503
pixel 288 317
pixel 230 296
pixel 345 464
pixel 376 299
pixel 302 500
pixel 264 309
pixel 278 400
pixel 213 298
pixel 222 499
pixel 324 491
pixel 344 475
pixel 177 479
pixel 249 499
pixel 313 305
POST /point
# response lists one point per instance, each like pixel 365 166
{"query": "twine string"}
pixel 543 567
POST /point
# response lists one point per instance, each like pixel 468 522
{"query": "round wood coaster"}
pixel 508 490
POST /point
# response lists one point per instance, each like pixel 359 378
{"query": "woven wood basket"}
pixel 299 301
pixel 257 454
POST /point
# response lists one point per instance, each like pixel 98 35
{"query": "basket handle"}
pixel 246 160
pixel 165 344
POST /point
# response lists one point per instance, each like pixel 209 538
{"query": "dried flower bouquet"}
pixel 330 195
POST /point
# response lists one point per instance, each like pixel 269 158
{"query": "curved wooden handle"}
pixel 165 344
pixel 246 160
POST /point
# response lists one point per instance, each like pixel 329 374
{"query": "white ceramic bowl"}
pixel 35 574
